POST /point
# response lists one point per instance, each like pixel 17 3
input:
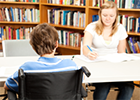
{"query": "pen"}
pixel 72 57
pixel 89 48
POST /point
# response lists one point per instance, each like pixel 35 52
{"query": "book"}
pixel 72 17
pixel 0 33
pixel 4 14
pixel 14 34
pixel 64 37
pixel 21 32
pixel 68 37
pixel 138 30
pixel 64 16
pixel 53 15
pixel 12 13
pixel 94 3
pixel 48 12
pixel 17 34
pixel 95 18
pixel 59 35
pixel 9 33
pixel 137 4
pixel 71 39
pixel 1 19
pixel 84 2
pixel 77 2
pixel 132 45
pixel 128 48
pixel 7 14
pixel 137 47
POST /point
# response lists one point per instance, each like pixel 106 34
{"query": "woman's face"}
pixel 108 16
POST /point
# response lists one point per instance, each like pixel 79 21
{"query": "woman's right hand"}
pixel 92 55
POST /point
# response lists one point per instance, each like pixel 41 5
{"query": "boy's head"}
pixel 44 39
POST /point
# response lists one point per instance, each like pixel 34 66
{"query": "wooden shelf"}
pixel 0 41
pixel 6 22
pixel 7 2
pixel 122 9
pixel 61 5
pixel 133 33
pixel 94 7
pixel 68 27
pixel 69 47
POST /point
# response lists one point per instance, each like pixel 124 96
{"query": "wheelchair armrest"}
pixel 11 95
pixel 21 73
pixel 86 71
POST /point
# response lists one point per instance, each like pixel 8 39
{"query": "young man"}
pixel 44 40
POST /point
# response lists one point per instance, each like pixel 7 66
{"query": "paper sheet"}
pixel 6 71
pixel 117 57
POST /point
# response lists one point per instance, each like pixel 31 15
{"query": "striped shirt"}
pixel 43 64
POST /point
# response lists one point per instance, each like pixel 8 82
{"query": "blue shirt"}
pixel 43 63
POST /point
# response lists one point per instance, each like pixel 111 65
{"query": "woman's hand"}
pixel 92 55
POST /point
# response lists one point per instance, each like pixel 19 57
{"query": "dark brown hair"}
pixel 43 39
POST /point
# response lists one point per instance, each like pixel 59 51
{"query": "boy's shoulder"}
pixel 28 64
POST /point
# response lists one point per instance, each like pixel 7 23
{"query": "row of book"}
pixel 133 45
pixel 21 0
pixel 19 14
pixel 9 33
pixel 69 38
pixel 128 4
pixel 68 2
pixel 131 23
pixel 131 4
pixel 66 17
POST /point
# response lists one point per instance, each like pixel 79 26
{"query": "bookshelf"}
pixel 18 24
pixel 43 6
pixel 63 49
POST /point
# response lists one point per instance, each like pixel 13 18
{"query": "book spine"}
pixel 9 33
pixel 0 33
pixel 132 45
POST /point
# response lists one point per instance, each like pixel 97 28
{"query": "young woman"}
pixel 107 36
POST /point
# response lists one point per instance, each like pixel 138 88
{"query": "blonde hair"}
pixel 99 25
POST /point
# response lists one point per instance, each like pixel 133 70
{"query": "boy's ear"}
pixel 56 44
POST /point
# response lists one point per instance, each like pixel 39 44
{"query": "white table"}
pixel 13 61
pixel 100 71
pixel 112 72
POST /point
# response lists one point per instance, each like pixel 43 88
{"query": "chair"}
pixel 65 85
pixel 4 96
pixel 17 48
